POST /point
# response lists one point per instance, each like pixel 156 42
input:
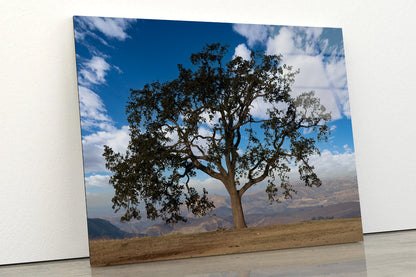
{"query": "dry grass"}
pixel 321 232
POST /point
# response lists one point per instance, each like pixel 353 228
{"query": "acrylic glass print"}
pixel 213 138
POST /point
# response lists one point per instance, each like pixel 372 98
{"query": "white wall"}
pixel 42 203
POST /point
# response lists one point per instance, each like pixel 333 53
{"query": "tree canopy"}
pixel 238 122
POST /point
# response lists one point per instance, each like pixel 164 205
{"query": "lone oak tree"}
pixel 206 120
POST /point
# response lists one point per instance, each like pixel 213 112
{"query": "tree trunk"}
pixel 237 210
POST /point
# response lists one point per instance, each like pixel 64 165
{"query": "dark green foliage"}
pixel 167 146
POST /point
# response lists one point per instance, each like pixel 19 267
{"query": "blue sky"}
pixel 115 55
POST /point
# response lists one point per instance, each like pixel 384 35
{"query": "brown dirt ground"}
pixel 177 246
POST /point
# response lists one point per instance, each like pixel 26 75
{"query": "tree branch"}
pixel 205 169
pixel 254 181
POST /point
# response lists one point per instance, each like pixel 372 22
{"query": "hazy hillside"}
pixel 102 229
pixel 292 215
pixel 223 220
pixel 331 192
pixel 337 198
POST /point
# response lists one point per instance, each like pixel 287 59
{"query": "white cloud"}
pixel 313 33
pixel 307 131
pixel 213 186
pixel 118 69
pixel 283 43
pixel 343 101
pixel 93 111
pixel 347 148
pixel 93 147
pixel 332 164
pixel 97 180
pixel 328 98
pixel 312 71
pixel 94 117
pixel 101 200
pixel 259 108
pixel 93 71
pixel 328 165
pixel 321 69
pixel 242 51
pixel 79 35
pixel 111 27
pixel 204 132
pixel 253 33
pixel 336 71
pixel 297 41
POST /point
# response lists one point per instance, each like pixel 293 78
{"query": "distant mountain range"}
pixel 103 229
pixel 334 199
